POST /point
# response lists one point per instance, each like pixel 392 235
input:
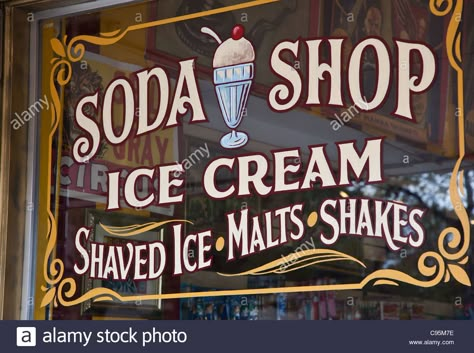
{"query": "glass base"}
pixel 234 139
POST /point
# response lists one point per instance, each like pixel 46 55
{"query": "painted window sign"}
pixel 235 152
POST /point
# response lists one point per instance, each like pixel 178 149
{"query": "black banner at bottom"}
pixel 236 336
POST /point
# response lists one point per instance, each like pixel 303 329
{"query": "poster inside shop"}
pixel 260 160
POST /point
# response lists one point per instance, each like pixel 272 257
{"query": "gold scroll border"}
pixel 446 263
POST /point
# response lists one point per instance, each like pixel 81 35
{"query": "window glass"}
pixel 347 203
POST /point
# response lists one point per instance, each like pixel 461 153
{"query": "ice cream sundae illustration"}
pixel 233 75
